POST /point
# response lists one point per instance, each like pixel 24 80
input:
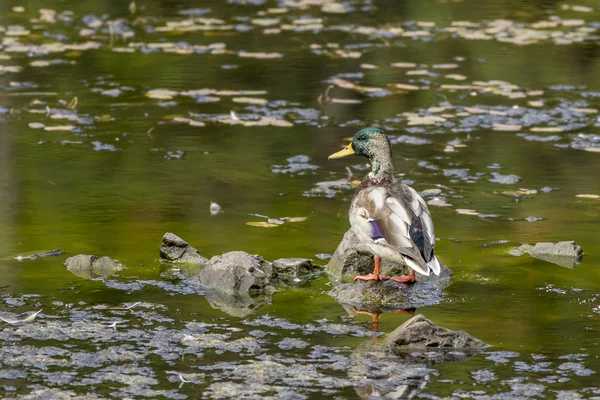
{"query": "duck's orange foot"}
pixel 412 278
pixel 371 277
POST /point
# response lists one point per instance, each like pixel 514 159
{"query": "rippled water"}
pixel 179 106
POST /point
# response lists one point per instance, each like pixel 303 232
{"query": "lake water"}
pixel 177 107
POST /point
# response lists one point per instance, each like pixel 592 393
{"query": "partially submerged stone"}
pixel 238 271
pixel 565 254
pixel 295 271
pixel 388 295
pixel 89 266
pixel 175 249
pixel 420 333
pixel 399 365
pixel 295 267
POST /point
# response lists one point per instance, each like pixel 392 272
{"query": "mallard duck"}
pixel 391 219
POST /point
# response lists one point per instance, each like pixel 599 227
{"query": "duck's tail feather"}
pixel 412 264
pixel 434 265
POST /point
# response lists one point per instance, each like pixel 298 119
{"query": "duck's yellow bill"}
pixel 346 151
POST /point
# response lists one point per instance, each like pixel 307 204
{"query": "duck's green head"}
pixel 367 142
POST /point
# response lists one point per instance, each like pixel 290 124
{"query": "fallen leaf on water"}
pixel 296 219
pixel 250 100
pixel 547 129
pixel 403 65
pixel 593 149
pixel 59 128
pixel 506 127
pixel 465 211
pixel 368 66
pixel 264 56
pixel 405 86
pixel 589 196
pixel 261 224
pixel 456 77
pixel 585 110
pixel 29 318
pixel 426 120
pixel 417 72
pixel 344 101
pixel 161 94
pixel 444 66
pixel 36 125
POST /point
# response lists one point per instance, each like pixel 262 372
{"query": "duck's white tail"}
pixel 412 264
pixel 434 265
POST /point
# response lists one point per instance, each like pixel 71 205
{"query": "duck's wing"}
pixel 400 219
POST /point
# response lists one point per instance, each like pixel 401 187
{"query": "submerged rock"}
pixel 87 266
pixel 238 271
pixel 175 249
pixel 565 254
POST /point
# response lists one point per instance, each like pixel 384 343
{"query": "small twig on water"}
pixel 73 103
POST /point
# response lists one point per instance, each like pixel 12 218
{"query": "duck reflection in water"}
pixel 375 315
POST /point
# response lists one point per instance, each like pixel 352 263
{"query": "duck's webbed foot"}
pixel 405 278
pixel 371 277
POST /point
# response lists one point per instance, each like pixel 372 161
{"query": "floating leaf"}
pixel 506 127
pixel 36 125
pixel 405 86
pixel 250 100
pixel 297 219
pixel 264 56
pixel 59 128
pixel 161 94
pixel 547 129
pixel 425 120
pixel 589 196
pixel 593 149
pixel 262 224
pixel 465 211
pixel 404 65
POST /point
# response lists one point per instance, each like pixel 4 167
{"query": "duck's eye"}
pixel 363 137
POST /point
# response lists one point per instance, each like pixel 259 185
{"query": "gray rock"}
pixel 294 271
pixel 399 365
pixel 519 251
pixel 238 272
pixel 565 254
pixel 420 333
pixel 387 296
pixel 87 266
pixel 353 258
pixel 175 249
